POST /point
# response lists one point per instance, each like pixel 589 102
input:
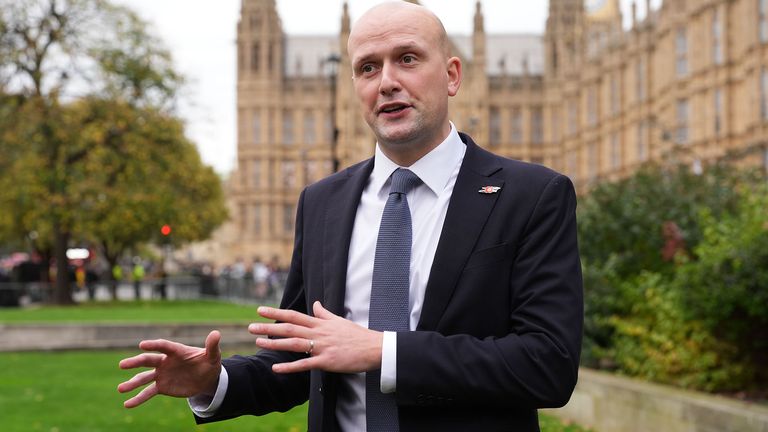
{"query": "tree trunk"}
pixel 45 266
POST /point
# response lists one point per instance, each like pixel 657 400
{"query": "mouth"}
pixel 393 107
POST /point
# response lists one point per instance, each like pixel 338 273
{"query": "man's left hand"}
pixel 336 344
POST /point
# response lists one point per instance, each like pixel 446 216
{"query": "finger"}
pixel 302 365
pixel 148 393
pixel 161 345
pixel 298 345
pixel 142 360
pixel 212 349
pixel 286 315
pixel 138 380
pixel 280 330
pixel 321 312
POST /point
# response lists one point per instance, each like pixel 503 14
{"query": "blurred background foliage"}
pixel 93 151
pixel 676 277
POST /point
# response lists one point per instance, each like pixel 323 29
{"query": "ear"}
pixel 454 75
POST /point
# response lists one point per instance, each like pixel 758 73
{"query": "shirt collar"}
pixel 434 168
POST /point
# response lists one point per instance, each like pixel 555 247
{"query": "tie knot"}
pixel 403 181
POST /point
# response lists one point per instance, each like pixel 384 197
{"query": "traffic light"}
pixel 165 230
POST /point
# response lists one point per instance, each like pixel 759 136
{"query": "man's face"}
pixel 403 78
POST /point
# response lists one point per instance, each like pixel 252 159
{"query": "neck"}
pixel 407 153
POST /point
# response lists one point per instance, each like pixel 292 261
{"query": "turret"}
pixel 563 36
pixel 260 40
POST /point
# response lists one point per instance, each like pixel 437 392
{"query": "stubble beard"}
pixel 397 136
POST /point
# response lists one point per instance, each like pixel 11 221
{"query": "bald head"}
pixel 403 77
pixel 403 12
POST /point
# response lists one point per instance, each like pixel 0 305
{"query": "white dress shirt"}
pixel 428 204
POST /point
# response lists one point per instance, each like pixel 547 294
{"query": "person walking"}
pixel 137 274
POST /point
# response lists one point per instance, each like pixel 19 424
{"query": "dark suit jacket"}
pixel 500 331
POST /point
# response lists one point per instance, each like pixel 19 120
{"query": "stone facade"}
pixel 687 84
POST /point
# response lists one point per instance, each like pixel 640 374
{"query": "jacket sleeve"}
pixel 253 388
pixel 536 363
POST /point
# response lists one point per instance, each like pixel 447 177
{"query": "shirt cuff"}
pixel 389 363
pixel 204 405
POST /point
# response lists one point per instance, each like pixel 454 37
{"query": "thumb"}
pixel 212 350
pixel 321 312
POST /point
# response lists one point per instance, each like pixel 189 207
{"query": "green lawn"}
pixel 553 424
pixel 76 392
pixel 143 311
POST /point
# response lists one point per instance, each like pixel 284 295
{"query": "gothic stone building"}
pixel 686 84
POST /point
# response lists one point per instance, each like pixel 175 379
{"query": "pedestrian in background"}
pixel 137 275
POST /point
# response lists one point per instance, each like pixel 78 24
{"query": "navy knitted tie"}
pixel 389 292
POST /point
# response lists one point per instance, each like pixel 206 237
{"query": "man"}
pixel 137 274
pixel 493 294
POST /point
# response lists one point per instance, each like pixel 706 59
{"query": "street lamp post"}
pixel 333 61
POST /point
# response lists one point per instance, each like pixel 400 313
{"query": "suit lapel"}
pixel 467 214
pixel 339 221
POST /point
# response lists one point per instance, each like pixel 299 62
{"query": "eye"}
pixel 408 59
pixel 367 68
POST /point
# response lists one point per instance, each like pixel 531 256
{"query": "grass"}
pixel 553 424
pixel 76 392
pixel 143 311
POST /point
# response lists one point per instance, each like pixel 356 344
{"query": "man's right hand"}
pixel 179 370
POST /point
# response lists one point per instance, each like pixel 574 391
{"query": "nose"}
pixel 389 80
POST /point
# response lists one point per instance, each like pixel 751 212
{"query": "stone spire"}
pixel 260 39
pixel 563 36
pixel 478 36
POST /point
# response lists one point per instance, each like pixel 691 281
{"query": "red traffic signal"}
pixel 165 230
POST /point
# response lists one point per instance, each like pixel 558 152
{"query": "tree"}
pixel 89 95
pixel 154 176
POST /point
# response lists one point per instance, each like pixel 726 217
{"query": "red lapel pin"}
pixel 489 189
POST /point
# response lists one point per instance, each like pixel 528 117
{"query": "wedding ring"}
pixel 311 347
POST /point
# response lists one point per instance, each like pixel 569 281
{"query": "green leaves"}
pixel 625 219
pixel 144 174
pixel 91 149
pixel 135 67
pixel 690 318
pixel 657 342
pixel 726 287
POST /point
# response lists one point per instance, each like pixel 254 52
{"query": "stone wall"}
pixel 109 336
pixel 609 403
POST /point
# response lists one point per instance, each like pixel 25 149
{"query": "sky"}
pixel 201 37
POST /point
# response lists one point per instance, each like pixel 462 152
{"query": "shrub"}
pixel 656 342
pixel 726 286
pixel 623 220
pixel 676 277
pixel 601 301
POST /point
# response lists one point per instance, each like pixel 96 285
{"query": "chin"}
pixel 398 134
pixel 398 140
